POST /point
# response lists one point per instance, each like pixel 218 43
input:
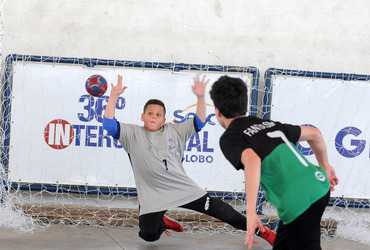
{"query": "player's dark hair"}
pixel 157 102
pixel 230 96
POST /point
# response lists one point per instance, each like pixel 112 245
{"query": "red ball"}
pixel 96 85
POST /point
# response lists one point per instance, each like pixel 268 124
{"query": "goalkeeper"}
pixel 156 151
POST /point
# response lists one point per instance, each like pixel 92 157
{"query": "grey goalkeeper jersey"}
pixel 160 178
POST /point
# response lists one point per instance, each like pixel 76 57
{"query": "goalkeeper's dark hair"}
pixel 230 96
pixel 157 102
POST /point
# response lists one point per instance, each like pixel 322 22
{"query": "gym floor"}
pixel 58 236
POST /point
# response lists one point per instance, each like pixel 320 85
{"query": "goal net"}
pixel 60 166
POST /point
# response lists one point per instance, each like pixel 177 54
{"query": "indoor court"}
pixel 113 238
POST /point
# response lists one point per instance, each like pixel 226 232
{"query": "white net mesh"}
pixel 103 195
pixel 80 179
pixel 12 216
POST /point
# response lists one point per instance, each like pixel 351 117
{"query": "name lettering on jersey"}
pixel 255 128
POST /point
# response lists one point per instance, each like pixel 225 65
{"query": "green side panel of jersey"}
pixel 290 185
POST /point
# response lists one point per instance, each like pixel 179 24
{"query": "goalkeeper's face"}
pixel 153 117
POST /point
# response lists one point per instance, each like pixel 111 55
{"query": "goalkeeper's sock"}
pixel 268 235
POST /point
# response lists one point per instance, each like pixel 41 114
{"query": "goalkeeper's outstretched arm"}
pixel 199 88
pixel 115 92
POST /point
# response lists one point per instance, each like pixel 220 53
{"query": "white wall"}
pixel 317 35
pixel 1 29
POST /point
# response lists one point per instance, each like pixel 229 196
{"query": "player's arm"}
pixel 252 172
pixel 109 122
pixel 199 89
pixel 115 92
pixel 314 138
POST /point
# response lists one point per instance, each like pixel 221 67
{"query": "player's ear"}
pixel 218 113
pixel 142 117
pixel 164 121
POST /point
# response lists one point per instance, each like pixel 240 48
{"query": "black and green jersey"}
pixel 292 184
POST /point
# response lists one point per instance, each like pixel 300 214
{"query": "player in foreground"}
pixel 156 151
pixel 266 151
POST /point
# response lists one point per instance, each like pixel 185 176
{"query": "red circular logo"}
pixel 58 134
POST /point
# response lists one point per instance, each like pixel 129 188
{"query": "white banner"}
pixel 340 109
pixel 52 100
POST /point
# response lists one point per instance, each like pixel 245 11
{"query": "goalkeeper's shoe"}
pixel 171 224
pixel 268 235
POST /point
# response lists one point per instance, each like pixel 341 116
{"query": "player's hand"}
pixel 253 222
pixel 118 89
pixel 199 87
pixel 332 177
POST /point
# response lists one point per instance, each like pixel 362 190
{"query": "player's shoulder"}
pixel 175 125
pixel 131 126
pixel 238 125
pixel 169 126
pixel 242 122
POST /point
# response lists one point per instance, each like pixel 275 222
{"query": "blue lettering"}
pixel 201 159
pixel 121 103
pixel 195 144
pixel 78 129
pixel 196 158
pixel 177 115
pixel 116 143
pixel 86 117
pixel 103 136
pixel 95 136
pixel 305 151
pixel 99 107
pixel 180 118
pixel 209 119
pixel 189 116
pixel 359 144
pixel 209 159
pixel 90 135
pixel 205 143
